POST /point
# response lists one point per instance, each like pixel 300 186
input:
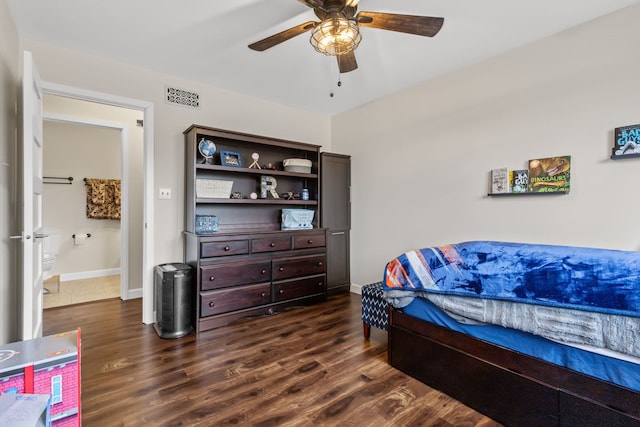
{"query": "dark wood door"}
pixel 335 190
pixel 338 277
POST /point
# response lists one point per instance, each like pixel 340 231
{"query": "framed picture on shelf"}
pixel 627 141
pixel 230 158
pixel 499 181
pixel 550 175
pixel 519 180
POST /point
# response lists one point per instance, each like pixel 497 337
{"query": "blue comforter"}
pixel 601 280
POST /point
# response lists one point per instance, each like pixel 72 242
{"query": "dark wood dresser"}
pixel 249 266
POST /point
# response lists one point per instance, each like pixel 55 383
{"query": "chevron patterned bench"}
pixel 374 308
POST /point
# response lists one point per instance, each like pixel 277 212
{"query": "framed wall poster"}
pixel 230 158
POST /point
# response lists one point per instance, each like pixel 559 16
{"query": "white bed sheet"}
pixel 615 335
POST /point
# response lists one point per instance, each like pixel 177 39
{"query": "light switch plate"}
pixel 164 193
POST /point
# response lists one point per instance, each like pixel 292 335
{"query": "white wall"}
pixel 219 108
pixel 420 159
pixel 9 86
pixel 79 151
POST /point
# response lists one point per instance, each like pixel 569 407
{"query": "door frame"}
pixel 123 129
pixel 148 178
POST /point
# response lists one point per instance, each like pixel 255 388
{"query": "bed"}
pixel 526 334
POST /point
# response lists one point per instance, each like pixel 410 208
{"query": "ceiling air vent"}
pixel 182 97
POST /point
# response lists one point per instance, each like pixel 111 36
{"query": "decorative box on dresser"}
pixel 250 267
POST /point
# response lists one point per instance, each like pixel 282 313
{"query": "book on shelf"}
pixel 627 141
pixel 519 180
pixel 550 174
pixel 499 181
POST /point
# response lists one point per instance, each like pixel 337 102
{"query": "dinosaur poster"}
pixel 550 175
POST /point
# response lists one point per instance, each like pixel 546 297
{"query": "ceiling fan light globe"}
pixel 335 35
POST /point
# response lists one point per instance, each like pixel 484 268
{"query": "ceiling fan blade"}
pixel 283 36
pixel 411 24
pixel 313 3
pixel 347 62
pixel 320 3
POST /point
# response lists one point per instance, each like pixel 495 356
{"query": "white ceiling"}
pixel 206 41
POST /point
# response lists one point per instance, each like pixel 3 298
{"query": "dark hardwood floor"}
pixel 304 367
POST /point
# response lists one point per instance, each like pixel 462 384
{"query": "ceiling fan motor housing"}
pixel 335 35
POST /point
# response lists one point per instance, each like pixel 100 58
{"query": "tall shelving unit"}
pixel 247 214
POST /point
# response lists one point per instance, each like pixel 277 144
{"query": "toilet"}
pixel 50 246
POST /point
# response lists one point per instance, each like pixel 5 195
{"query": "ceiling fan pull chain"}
pixel 339 84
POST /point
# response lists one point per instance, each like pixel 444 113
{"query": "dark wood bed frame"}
pixel 511 388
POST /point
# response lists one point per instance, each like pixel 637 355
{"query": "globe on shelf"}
pixel 207 149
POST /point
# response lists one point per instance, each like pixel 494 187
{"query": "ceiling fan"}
pixel 338 34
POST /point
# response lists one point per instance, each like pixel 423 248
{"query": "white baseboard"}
pixel 89 274
pixel 355 288
pixel 134 293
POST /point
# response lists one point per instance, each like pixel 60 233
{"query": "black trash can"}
pixel 174 300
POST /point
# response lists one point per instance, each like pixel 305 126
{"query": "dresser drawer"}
pixel 231 247
pixel 299 266
pixel 269 244
pixel 299 288
pixel 216 302
pixel 225 275
pixel 315 240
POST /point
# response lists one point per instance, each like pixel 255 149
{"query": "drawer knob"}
pixel 264 294
pixel 212 278
pixel 320 264
pixel 281 291
pixel 227 248
pixel 319 283
pixel 310 241
pixel 211 303
pixel 281 269
pixel 273 245
pixel 264 271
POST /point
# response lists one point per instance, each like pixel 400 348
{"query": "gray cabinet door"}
pixel 338 275
pixel 335 189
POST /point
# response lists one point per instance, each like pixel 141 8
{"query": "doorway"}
pixel 139 224
pixel 86 259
